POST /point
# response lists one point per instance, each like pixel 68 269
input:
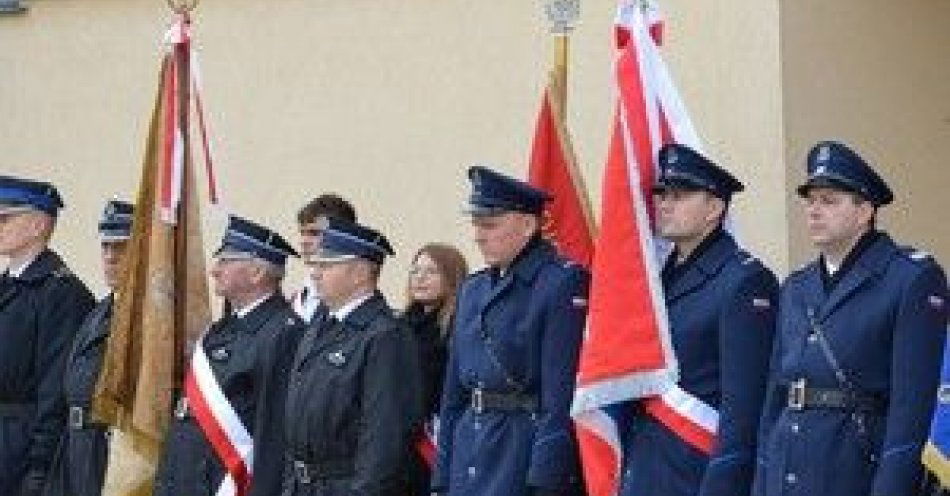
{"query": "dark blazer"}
pixel 234 347
pixel 40 313
pixel 80 466
pixel 353 405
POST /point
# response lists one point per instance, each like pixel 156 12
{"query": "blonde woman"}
pixel 436 272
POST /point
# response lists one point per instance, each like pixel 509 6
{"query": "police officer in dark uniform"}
pixel 858 347
pixel 42 304
pixel 247 272
pixel 721 305
pixel 353 401
pixel 81 461
pixel 505 426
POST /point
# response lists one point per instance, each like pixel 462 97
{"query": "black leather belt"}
pixel 803 397
pixel 80 419
pixel 307 473
pixel 482 401
pixel 16 409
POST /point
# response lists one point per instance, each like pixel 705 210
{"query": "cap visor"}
pixel 823 182
pixel 229 254
pixel 483 211
pixel 15 209
pixel 113 238
pixel 678 184
pixel 330 257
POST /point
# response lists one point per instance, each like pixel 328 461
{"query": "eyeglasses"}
pixel 423 271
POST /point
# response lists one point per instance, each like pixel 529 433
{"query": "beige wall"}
pixel 875 74
pixel 387 102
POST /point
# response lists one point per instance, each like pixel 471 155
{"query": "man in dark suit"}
pixel 505 426
pixel 858 347
pixel 353 401
pixel 215 418
pixel 42 304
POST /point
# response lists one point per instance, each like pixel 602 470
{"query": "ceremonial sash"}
pixel 220 424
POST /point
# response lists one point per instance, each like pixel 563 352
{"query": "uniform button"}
pixel 791 478
pixel 795 428
pixel 471 471
pixel 812 338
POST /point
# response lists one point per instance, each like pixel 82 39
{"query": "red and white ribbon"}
pixel 687 416
pixel 177 40
pixel 221 425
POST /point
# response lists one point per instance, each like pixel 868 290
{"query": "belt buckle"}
pixel 181 408
pixel 796 395
pixel 478 400
pixel 76 417
pixel 302 472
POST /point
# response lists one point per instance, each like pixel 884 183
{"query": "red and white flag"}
pixel 627 353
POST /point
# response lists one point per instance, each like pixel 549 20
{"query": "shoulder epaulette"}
pixel 915 254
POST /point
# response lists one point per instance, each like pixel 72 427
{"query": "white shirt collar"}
pixel 342 312
pixel 241 313
pixel 829 267
pixel 18 271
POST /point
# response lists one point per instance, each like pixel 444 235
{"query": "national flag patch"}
pixel 936 301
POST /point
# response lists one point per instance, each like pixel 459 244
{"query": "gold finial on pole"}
pixel 182 6
pixel 563 15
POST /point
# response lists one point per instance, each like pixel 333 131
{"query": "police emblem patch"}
pixel 824 154
pixel 220 354
pixel 336 358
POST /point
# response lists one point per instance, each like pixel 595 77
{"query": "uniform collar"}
pixel 348 308
pixel 241 313
pixel 865 242
pixel 18 271
pixel 709 255
pixel 532 257
pixel 43 265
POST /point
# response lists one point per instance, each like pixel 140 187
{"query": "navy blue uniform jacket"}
pixel 519 333
pixel 885 321
pixel 721 304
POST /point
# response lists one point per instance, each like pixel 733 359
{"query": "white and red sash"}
pixel 427 442
pixel 220 424
pixel 687 416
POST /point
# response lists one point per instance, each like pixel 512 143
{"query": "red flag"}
pixel 627 353
pixel 553 168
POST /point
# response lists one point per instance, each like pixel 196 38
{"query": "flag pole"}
pixel 562 14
